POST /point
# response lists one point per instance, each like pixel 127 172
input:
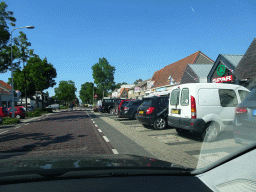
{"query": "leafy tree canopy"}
pixel 65 91
pixel 103 75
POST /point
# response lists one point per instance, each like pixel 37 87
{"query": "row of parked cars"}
pixel 206 109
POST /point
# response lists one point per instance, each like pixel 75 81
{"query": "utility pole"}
pixel 93 94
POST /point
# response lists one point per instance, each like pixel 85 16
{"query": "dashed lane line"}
pixel 106 139
pixel 100 130
pixel 115 151
pixel 96 125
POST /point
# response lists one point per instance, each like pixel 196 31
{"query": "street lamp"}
pixel 28 27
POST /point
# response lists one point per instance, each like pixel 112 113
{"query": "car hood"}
pixel 82 162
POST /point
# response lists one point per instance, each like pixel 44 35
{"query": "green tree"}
pixel 118 85
pixel 18 81
pixel 6 18
pixel 66 91
pixel 86 92
pixel 103 75
pixel 137 81
pixel 24 53
pixel 41 73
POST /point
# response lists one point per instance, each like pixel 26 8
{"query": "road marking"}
pixel 96 125
pixel 3 132
pixel 93 121
pixel 106 139
pixel 99 130
pixel 115 151
pixel 27 124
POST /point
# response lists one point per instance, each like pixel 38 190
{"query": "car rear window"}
pixel 175 97
pixel 228 98
pixel 137 103
pixel 243 94
pixel 147 102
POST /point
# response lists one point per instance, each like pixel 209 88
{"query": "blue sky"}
pixel 138 37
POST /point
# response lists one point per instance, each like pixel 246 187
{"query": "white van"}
pixel 205 108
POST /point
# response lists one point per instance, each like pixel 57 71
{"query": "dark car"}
pixel 130 109
pixel 154 110
pixel 121 111
pixel 121 103
pixel 108 104
pixel 245 119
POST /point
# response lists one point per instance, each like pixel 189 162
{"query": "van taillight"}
pixel 240 110
pixel 150 110
pixel 193 108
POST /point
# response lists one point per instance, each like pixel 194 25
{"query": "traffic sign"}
pixel 95 95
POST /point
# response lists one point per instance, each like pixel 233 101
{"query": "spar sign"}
pixel 223 79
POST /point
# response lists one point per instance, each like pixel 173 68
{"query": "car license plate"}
pixel 254 112
pixel 141 112
pixel 175 111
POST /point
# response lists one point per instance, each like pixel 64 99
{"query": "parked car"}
pixel 154 110
pixel 120 103
pixel 54 106
pixel 107 104
pixel 245 119
pixel 204 108
pixel 19 112
pixel 3 112
pixel 122 108
pixel 130 110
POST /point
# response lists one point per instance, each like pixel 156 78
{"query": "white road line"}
pixel 106 139
pixel 115 151
pixel 96 125
pixel 27 124
pixel 3 132
pixel 99 130
pixel 93 122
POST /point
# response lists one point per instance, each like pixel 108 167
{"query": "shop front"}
pixel 223 69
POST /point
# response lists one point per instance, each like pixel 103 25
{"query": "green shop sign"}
pixel 221 69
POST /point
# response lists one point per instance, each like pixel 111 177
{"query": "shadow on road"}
pixel 42 140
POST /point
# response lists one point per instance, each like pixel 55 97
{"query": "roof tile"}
pixel 176 70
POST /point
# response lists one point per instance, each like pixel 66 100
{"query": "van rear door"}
pixel 185 108
pixel 174 110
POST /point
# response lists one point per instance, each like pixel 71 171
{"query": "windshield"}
pixel 190 66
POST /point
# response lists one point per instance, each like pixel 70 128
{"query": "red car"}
pixel 20 112
pixel 3 112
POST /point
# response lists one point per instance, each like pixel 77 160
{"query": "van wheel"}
pixel 160 123
pixel 210 132
pixel 18 116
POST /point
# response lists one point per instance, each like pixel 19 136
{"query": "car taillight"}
pixel 193 108
pixel 150 110
pixel 126 108
pixel 240 110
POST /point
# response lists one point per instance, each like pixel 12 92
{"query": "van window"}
pixel 228 98
pixel 243 94
pixel 184 96
pixel 175 97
